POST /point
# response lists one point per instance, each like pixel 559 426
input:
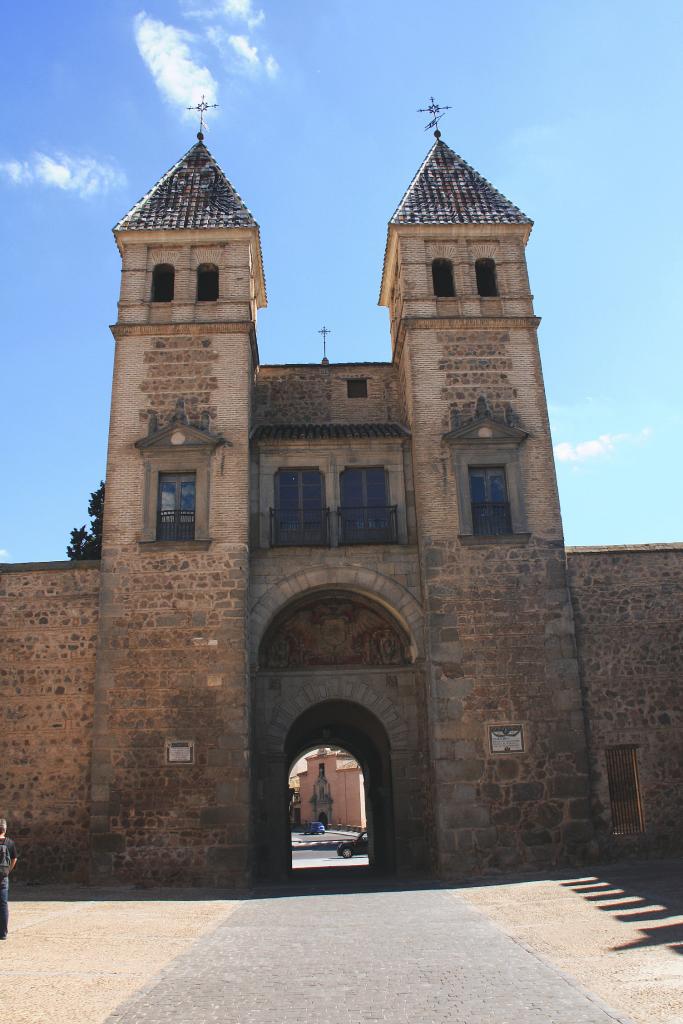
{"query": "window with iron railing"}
pixel 365 517
pixel 300 517
pixel 490 505
pixel 176 511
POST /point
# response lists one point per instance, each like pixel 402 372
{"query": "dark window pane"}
pixel 357 389
pixel 497 489
pixel 312 492
pixel 299 489
pixel 168 495
pixel 376 487
pixel 478 485
pixel 352 488
pixel 187 495
pixel 288 489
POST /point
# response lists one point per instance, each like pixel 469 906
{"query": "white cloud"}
pixel 84 175
pixel 244 50
pixel 605 444
pixel 4 553
pixel 230 43
pixel 166 52
pixel 243 10
pixel 18 171
pixel 237 10
pixel 243 53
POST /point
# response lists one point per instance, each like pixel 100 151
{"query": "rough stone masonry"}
pixel 367 555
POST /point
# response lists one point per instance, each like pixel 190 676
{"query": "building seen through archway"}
pixel 327 792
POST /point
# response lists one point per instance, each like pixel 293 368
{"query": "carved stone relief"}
pixel 333 630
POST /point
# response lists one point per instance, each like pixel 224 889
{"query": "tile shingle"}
pixel 446 190
pixel 194 193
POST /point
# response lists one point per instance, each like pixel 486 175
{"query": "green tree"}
pixel 87 543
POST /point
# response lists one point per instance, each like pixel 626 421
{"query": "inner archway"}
pixel 340 669
pixel 350 727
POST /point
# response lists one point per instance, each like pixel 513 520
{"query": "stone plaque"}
pixel 506 739
pixel 180 752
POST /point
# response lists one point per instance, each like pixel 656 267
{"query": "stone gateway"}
pixel 360 556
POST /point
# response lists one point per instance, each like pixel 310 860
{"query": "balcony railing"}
pixel 303 527
pixel 490 518
pixel 368 525
pixel 176 524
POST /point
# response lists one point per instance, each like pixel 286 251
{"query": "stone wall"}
pixel 171 662
pixel 48 620
pixel 628 607
pixel 313 393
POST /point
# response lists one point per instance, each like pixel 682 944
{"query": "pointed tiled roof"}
pixel 446 190
pixel 193 194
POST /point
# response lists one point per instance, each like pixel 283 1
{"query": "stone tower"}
pixel 170 774
pixel 499 627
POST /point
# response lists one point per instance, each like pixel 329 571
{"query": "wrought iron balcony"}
pixel 300 527
pixel 368 525
pixel 175 524
pixel 490 518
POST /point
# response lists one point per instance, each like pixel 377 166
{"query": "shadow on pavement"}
pixel 647 891
pixel 651 892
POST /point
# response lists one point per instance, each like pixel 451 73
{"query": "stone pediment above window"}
pixel 485 430
pixel 181 435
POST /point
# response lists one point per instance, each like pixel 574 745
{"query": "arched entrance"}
pixel 339 723
pixel 336 669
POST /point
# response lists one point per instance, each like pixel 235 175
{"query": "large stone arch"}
pixel 321 691
pixel 356 579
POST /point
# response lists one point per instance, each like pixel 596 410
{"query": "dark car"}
pixel 314 828
pixel 352 847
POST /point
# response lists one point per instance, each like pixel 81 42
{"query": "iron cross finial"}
pixel 201 108
pixel 437 113
pixel 325 331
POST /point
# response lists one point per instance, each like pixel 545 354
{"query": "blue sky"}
pixel 571 110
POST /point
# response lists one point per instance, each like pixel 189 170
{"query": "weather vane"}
pixel 202 108
pixel 325 331
pixel 437 113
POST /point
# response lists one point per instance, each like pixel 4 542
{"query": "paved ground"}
pixel 618 930
pixel 396 956
pixel 321 851
pixel 79 955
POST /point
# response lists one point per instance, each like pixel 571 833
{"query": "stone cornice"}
pixel 84 563
pixel 617 549
pixel 123 330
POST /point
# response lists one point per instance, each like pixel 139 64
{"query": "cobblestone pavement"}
pixel 423 956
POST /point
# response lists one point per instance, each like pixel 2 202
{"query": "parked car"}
pixel 352 847
pixel 314 828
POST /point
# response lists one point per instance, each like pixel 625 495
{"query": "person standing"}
pixel 8 858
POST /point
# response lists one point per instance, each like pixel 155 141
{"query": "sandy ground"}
pixel 75 953
pixel 618 930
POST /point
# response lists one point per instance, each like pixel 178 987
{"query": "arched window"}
pixel 487 286
pixel 442 276
pixel 163 280
pixel 207 283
